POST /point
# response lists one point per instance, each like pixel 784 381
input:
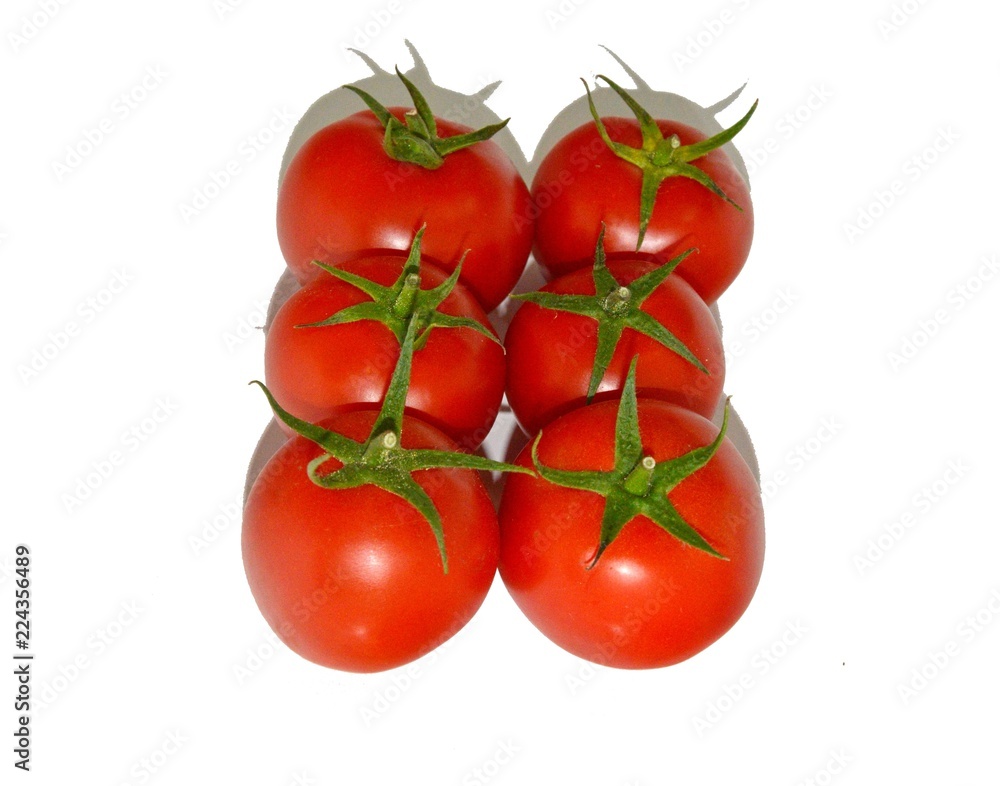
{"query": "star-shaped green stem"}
pixel 660 158
pixel 616 307
pixel 416 140
pixel 638 485
pixel 404 303
pixel 381 460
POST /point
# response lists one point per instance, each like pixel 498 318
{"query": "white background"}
pixel 152 662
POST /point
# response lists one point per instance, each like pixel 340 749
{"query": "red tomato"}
pixel 344 197
pixel 581 183
pixel 651 600
pixel 457 378
pixel 352 578
pixel 550 354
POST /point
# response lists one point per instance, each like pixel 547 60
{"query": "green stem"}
pixel 404 302
pixel 617 301
pixel 381 460
pixel 638 481
pixel 615 307
pixel 381 443
pixel 660 158
pixel 638 484
pixel 415 140
pixel 407 297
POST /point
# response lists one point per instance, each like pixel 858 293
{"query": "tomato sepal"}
pixel 638 485
pixel 381 460
pixel 616 307
pixel 660 158
pixel 416 140
pixel 404 302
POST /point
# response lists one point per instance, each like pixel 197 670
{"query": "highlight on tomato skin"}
pixel 351 579
pixel 650 600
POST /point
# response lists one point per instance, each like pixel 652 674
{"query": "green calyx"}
pixel 660 158
pixel 416 141
pixel 638 485
pixel 616 307
pixel 381 460
pixel 404 303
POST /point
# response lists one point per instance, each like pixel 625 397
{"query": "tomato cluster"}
pixel 630 529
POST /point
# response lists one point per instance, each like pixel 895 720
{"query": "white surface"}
pixel 177 341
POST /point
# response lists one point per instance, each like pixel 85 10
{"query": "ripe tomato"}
pixel 315 372
pixel 343 197
pixel 550 354
pixel 650 600
pixel 582 182
pixel 352 578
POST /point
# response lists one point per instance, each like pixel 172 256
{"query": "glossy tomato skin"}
pixel 352 579
pixel 550 354
pixel 650 600
pixel 343 196
pixel 581 183
pixel 457 378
